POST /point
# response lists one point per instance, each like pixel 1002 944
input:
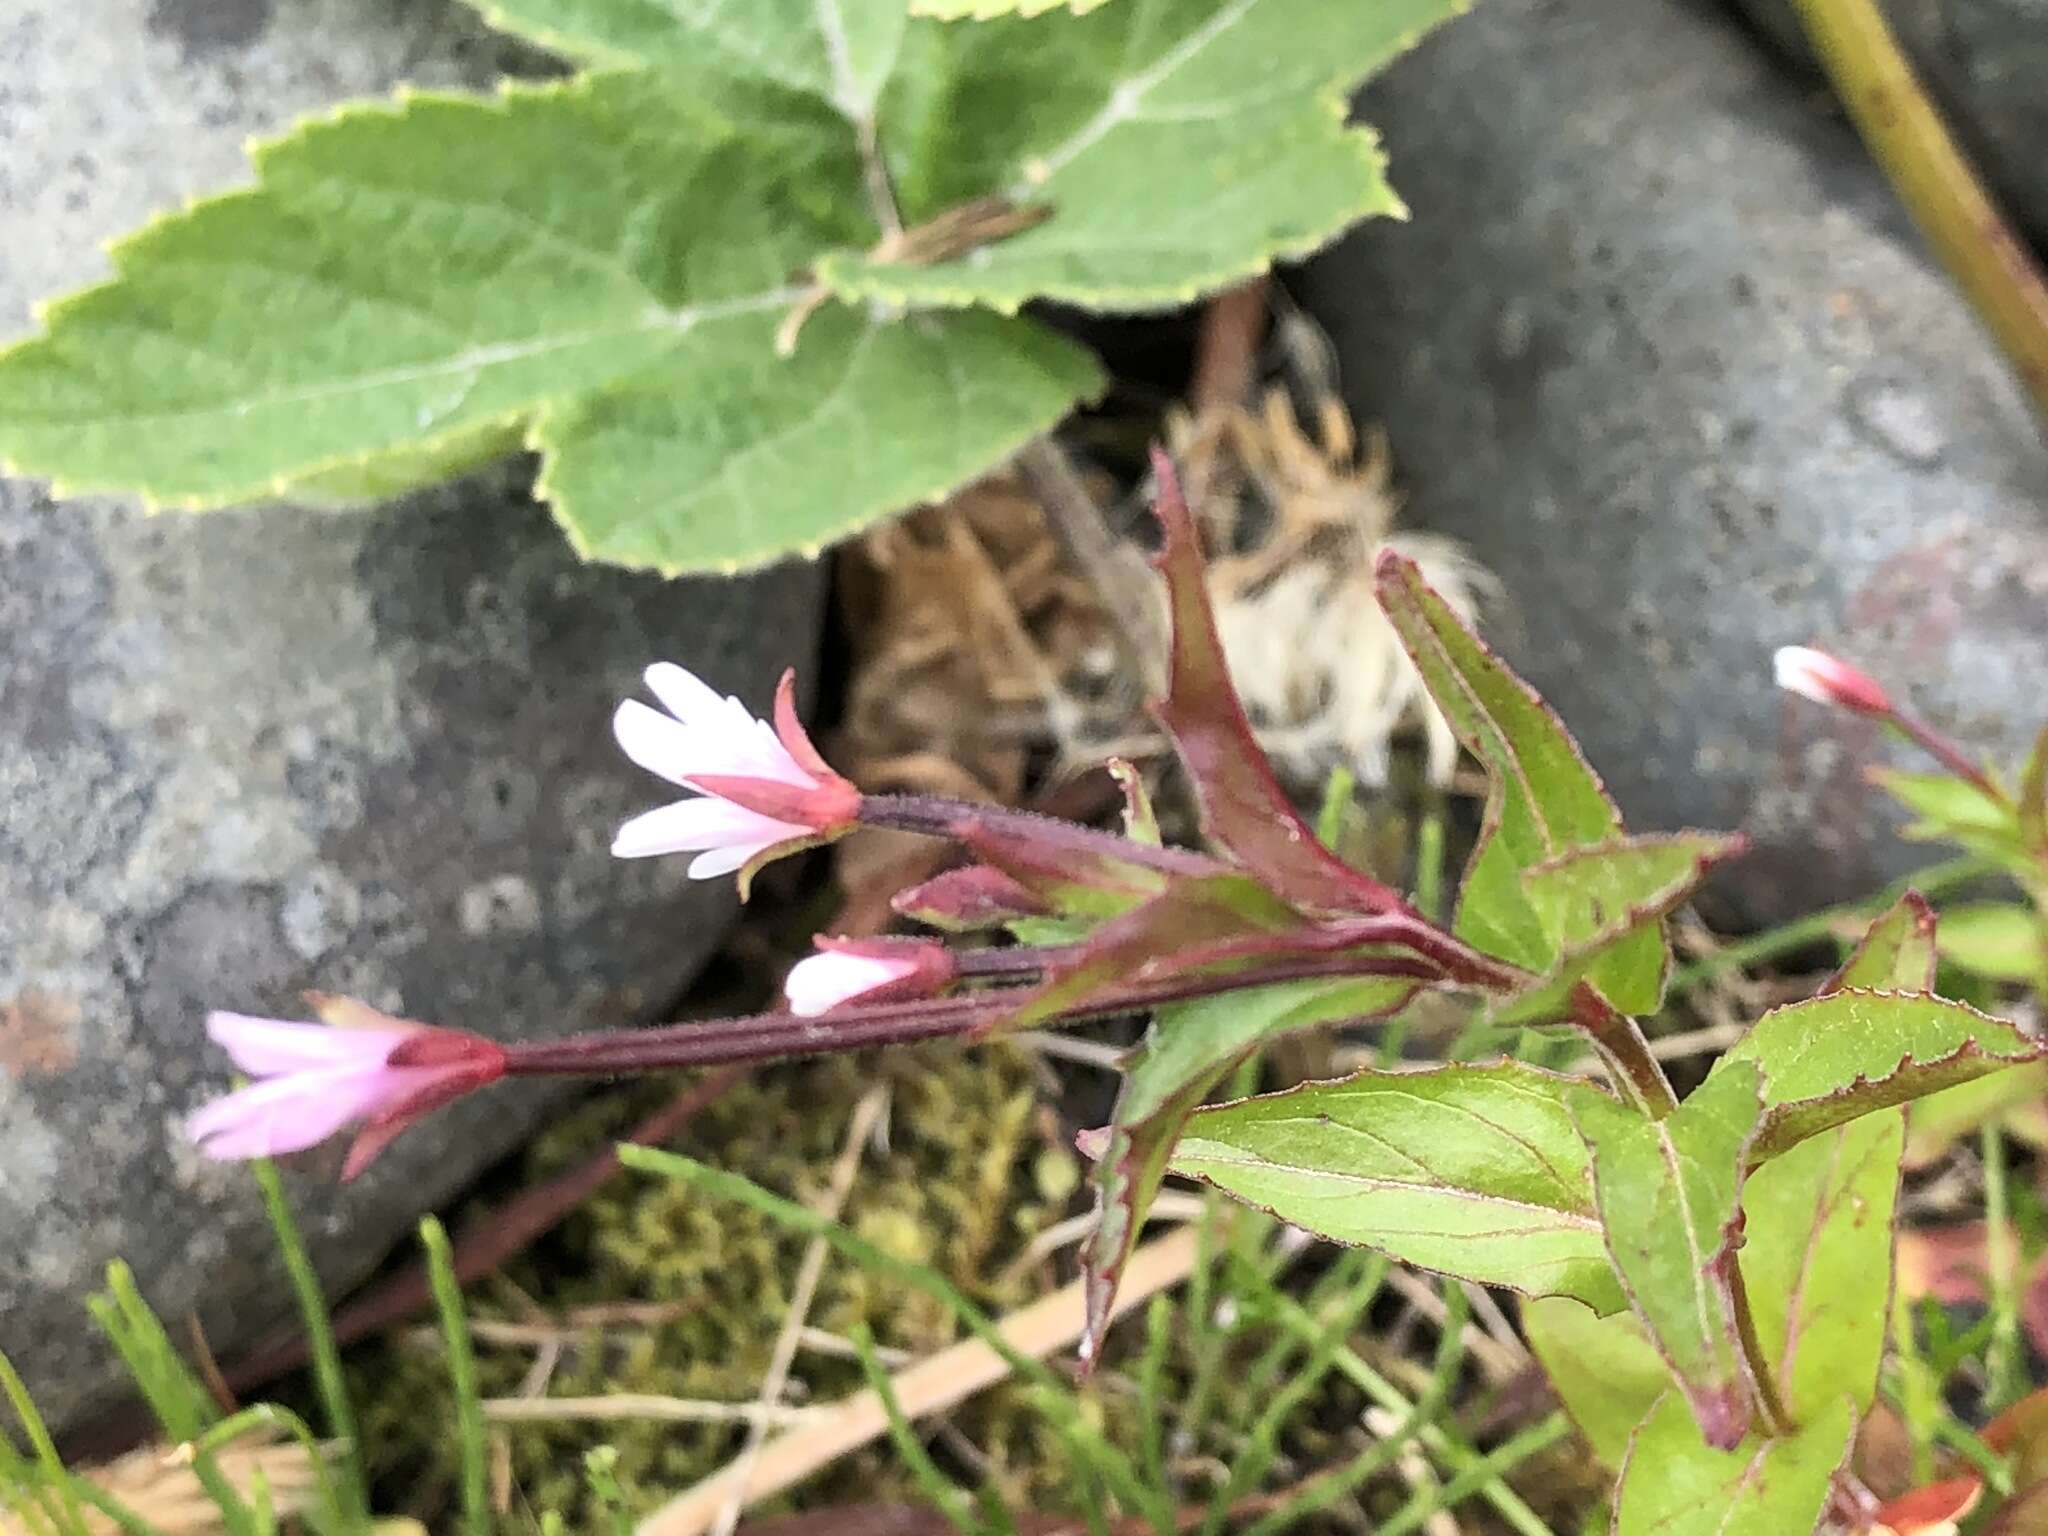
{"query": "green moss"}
pixel 964 1182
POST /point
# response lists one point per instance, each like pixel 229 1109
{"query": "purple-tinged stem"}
pixel 1625 1053
pixel 1948 754
pixel 859 1026
pixel 938 816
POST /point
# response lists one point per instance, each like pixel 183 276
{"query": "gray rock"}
pixel 1657 344
pixel 1986 63
pixel 252 752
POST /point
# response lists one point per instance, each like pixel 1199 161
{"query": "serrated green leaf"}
pixel 1475 1171
pixel 1602 909
pixel 1170 167
pixel 837 51
pixel 1998 939
pixel 1669 1196
pixel 1817 1261
pixel 1542 798
pixel 1606 1371
pixel 1675 1484
pixel 727 458
pixel 1191 1048
pixel 1896 954
pixel 989 10
pixel 1833 1059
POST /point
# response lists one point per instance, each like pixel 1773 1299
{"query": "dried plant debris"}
pixel 1296 516
pixel 158 1484
pixel 982 663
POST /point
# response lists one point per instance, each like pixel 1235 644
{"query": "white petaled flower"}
pixel 848 969
pixel 759 787
pixel 1827 679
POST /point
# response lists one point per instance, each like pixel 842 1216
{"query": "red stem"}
pixel 939 816
pixel 1947 753
pixel 858 1026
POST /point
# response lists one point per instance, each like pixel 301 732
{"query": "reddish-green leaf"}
pixel 1896 955
pixel 1474 1171
pixel 1817 1260
pixel 1602 910
pixel 1191 1048
pixel 1669 1194
pixel 1542 798
pixel 1852 1053
pixel 1243 806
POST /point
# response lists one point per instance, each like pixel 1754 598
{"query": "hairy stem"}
pixel 939 816
pixel 1626 1054
pixel 858 1026
pixel 1934 180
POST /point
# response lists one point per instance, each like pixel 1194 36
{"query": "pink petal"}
pixel 708 823
pixel 288 1113
pixel 265 1047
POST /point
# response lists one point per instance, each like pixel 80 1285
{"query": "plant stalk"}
pixel 1907 137
pixel 1624 1051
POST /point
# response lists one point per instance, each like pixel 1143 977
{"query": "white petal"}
pixel 657 743
pixel 824 981
pixel 686 695
pixel 689 825
pixel 714 862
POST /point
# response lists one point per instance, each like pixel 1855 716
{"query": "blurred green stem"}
pixel 1907 137
pixel 2004 1360
pixel 1934 880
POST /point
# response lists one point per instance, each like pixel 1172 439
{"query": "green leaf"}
pixel 1669 1196
pixel 1474 1171
pixel 1998 939
pixel 1817 1261
pixel 1190 1049
pixel 1897 953
pixel 1953 810
pixel 1835 1058
pixel 1602 908
pixel 1170 168
pixel 839 52
pixel 1606 1371
pixel 1674 1484
pixel 727 458
pixel 1542 799
pixel 602 268
pixel 988 10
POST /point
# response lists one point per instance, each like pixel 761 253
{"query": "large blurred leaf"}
pixel 1605 1370
pixel 1669 1194
pixel 1675 1484
pixel 1998 939
pixel 1474 1171
pixel 1191 1048
pixel 1852 1053
pixel 608 269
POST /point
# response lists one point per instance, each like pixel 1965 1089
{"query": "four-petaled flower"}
pixel 359 1067
pixel 761 792
pixel 872 970
pixel 1828 680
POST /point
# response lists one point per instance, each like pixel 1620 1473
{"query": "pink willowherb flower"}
pixel 872 970
pixel 1828 680
pixel 359 1067
pixel 760 790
